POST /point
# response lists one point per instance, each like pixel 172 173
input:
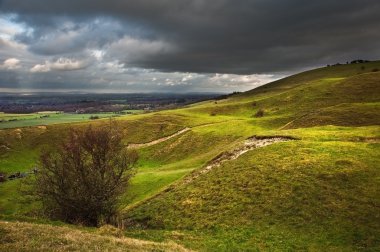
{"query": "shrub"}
pixel 259 113
pixel 81 180
pixel 375 70
pixel 3 177
pixel 94 117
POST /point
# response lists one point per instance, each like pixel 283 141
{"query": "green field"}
pixel 317 193
pixel 50 117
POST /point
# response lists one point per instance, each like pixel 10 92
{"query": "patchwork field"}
pixel 50 117
pixel 319 191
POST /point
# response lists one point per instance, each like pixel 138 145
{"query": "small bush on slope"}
pixel 259 113
pixel 80 182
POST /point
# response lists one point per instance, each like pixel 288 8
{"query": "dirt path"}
pixel 213 123
pixel 157 141
pixel 249 144
pixel 160 140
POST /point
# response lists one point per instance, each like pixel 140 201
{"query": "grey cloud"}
pixel 69 37
pixel 230 36
pixel 179 45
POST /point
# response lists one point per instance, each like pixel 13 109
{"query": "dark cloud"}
pixel 234 36
pixel 178 45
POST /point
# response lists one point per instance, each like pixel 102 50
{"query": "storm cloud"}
pixel 257 38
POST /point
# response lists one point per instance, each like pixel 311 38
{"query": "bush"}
pixel 3 177
pixel 81 180
pixel 94 117
pixel 259 113
pixel 375 70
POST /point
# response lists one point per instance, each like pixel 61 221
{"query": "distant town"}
pixel 92 103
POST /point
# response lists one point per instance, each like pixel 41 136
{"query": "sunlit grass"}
pixel 319 192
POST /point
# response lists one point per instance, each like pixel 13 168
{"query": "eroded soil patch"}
pixel 249 144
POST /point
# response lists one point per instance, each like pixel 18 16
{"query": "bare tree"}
pixel 80 181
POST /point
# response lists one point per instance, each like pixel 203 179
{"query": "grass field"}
pixel 318 193
pixel 50 117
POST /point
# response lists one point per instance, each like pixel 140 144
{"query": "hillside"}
pixel 21 236
pixel 318 190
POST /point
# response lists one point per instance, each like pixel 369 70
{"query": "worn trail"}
pixel 157 141
pixel 160 140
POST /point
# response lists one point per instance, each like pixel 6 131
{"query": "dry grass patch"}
pixel 21 236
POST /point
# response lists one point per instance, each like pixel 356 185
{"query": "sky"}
pixel 177 45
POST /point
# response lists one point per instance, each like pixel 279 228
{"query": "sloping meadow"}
pixel 317 191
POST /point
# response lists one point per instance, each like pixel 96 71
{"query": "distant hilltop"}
pixel 358 61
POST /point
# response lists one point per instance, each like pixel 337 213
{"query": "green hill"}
pixel 205 189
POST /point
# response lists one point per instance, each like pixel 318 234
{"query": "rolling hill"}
pixel 205 189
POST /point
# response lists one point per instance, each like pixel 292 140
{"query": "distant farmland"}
pixel 46 118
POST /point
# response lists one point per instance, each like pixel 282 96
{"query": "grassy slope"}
pixel 21 236
pixel 294 195
pixel 316 193
pixel 319 193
